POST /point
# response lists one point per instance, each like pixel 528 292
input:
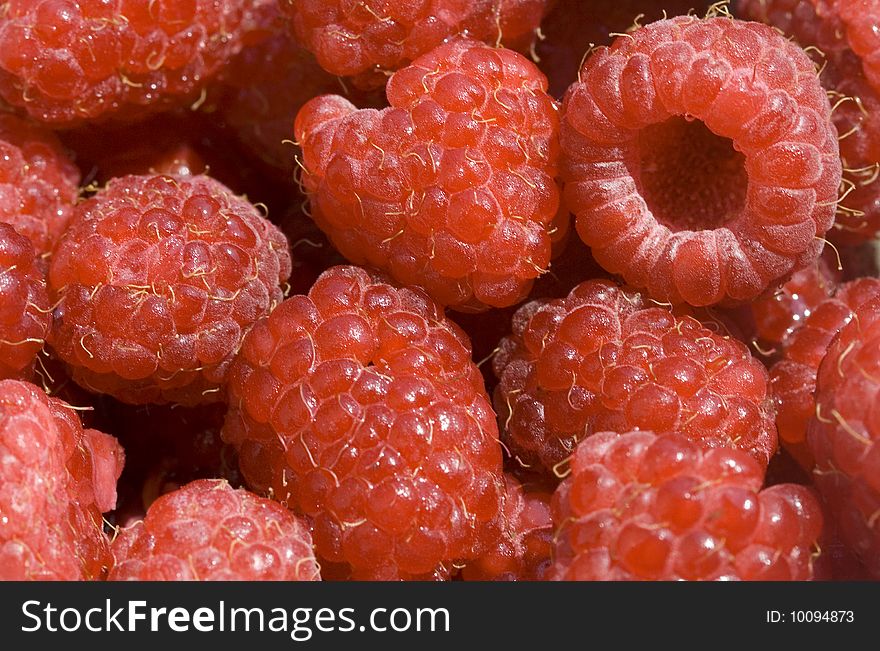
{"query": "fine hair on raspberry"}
pixel 657 105
pixel 157 281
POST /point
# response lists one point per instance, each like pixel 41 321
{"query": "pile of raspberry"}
pixel 505 290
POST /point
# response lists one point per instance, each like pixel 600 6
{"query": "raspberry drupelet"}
pixel 55 481
pixel 638 506
pixel 603 358
pixel 369 40
pixel 68 62
pixel 844 436
pixel 452 187
pixel 700 159
pixel 209 531
pixel 778 315
pixel 156 282
pixel 359 406
pixel 817 26
pixel 25 316
pixel 793 378
pixel 522 552
pixel 38 182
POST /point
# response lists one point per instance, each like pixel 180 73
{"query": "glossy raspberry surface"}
pixel 781 313
pixel 70 61
pixel 522 552
pixel 371 39
pixel 643 507
pixel 844 434
pixel 55 480
pixel 24 305
pixel 38 183
pixel 605 358
pixel 209 531
pixel 359 406
pixel 452 187
pixel 155 284
pixel 734 111
pixel 793 379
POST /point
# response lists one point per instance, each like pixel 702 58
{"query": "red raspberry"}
pixel 817 25
pixel 38 183
pixel 450 188
pixel 844 435
pixel 778 315
pixel 656 110
pixel 522 553
pixel 639 506
pixel 156 282
pixel 209 531
pixel 600 359
pixel 24 305
pixel 66 61
pixel 793 379
pixel 373 38
pixel 359 406
pixel 55 480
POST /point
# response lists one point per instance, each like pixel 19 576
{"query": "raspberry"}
pixel 156 282
pixel 793 379
pixel 38 183
pixel 55 480
pixel 599 359
pixel 733 110
pixel 359 405
pixel 209 531
pixel 778 315
pixel 639 506
pixel 522 553
pixel 844 435
pixel 66 62
pixel 371 39
pixel 817 24
pixel 450 188
pixel 24 305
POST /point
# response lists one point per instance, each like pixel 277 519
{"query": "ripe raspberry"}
pixel 655 110
pixel 370 39
pixel 639 506
pixel 69 62
pixel 450 188
pixel 793 379
pixel 156 282
pixel 522 553
pixel 24 305
pixel 55 480
pixel 600 359
pixel 209 531
pixel 817 25
pixel 38 183
pixel 778 315
pixel 359 406
pixel 845 433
